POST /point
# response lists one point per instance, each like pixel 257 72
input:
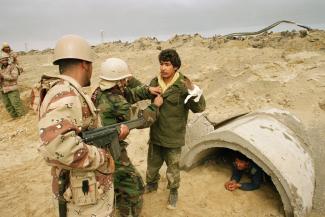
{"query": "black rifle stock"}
pixel 107 137
pixel 63 184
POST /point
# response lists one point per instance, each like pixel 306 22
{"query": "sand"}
pixel 285 71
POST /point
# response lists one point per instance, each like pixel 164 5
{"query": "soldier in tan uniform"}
pixel 12 56
pixel 9 74
pixel 65 112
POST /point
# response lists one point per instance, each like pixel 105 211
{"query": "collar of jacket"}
pixel 165 86
pixel 177 85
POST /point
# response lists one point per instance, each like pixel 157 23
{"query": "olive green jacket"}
pixel 170 127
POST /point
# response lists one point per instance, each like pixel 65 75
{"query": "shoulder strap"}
pixel 78 88
pixel 39 92
pixel 96 95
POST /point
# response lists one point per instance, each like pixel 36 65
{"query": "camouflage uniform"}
pixel 66 111
pixel 10 94
pixel 115 107
pixel 13 60
pixel 12 56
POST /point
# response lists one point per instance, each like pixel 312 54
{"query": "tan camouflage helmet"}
pixel 72 47
pixel 4 55
pixel 114 69
pixel 5 45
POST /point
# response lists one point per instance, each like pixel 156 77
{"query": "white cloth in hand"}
pixel 196 92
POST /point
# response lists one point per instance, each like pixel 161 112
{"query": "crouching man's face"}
pixel 241 164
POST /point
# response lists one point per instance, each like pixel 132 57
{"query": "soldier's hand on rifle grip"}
pixel 124 132
pixel 158 101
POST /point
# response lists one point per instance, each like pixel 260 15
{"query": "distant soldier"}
pixel 8 81
pixel 113 98
pixel 167 134
pixel 82 173
pixel 12 56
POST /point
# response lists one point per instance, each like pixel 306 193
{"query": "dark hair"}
pixel 170 55
pixel 241 157
pixel 64 64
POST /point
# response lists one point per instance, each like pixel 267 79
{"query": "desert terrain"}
pixel 283 70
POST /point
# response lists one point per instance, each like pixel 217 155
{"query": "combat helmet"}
pixel 72 47
pixel 114 69
pixel 5 45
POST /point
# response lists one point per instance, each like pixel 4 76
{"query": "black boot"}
pixel 172 199
pixel 150 187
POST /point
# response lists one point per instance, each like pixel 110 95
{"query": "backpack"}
pixel 39 91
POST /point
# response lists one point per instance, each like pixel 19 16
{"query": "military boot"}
pixel 151 187
pixel 172 199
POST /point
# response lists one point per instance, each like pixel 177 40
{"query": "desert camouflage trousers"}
pixel 157 155
pixel 129 189
pixel 13 104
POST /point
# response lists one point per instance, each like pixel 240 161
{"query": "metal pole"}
pixel 102 35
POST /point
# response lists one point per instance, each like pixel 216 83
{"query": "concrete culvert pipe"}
pixel 272 138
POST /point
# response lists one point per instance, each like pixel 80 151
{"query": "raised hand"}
pixel 124 132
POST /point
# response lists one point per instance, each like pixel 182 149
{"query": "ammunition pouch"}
pixel 84 187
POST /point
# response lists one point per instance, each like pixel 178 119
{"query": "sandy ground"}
pixel 279 70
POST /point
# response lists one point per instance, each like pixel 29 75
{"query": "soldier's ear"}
pixel 85 65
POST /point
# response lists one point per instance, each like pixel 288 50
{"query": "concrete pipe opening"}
pixel 273 139
pixel 223 161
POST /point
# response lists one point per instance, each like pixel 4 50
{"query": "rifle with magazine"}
pixel 107 137
pixel 103 137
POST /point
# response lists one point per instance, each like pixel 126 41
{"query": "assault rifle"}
pixel 103 137
pixel 107 137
